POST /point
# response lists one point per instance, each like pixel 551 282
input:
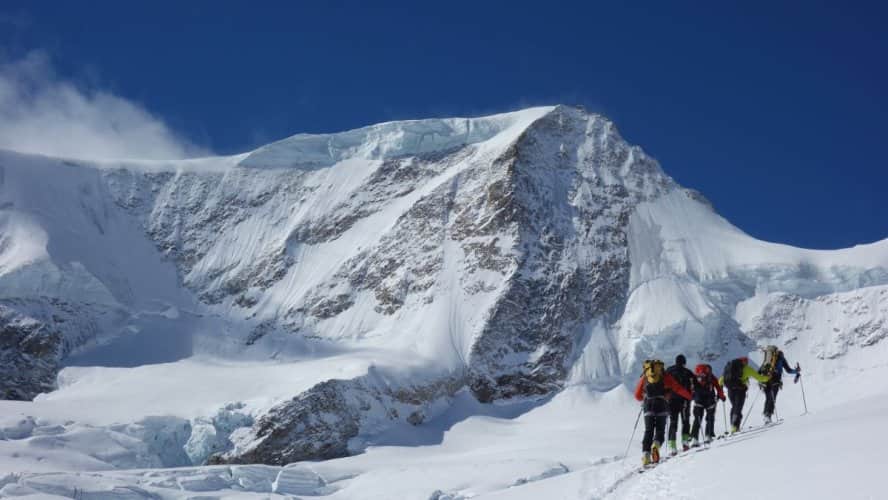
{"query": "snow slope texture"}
pixel 333 287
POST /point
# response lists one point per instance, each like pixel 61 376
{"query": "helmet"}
pixel 680 360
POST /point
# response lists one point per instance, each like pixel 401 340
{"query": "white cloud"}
pixel 41 113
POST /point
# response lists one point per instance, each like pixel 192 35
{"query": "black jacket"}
pixel 682 375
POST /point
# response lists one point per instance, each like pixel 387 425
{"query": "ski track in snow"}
pixel 670 467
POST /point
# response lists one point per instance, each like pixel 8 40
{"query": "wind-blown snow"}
pixel 389 140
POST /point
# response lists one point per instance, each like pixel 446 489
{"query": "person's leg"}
pixel 698 416
pixel 777 388
pixel 738 398
pixel 660 429
pixel 732 397
pixel 648 433
pixel 686 422
pixel 710 422
pixel 674 411
pixel 770 395
pixel 659 436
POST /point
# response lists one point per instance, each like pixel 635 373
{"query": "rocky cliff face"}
pixel 829 325
pixel 570 184
pixel 36 335
pixel 326 421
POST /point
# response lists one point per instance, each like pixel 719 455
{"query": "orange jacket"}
pixel 669 383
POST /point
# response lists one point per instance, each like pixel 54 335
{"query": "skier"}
pixel 653 389
pixel 736 379
pixel 706 389
pixel 774 365
pixel 680 407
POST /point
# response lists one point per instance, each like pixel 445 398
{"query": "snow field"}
pixel 570 447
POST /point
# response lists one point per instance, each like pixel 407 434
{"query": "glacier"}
pixel 351 296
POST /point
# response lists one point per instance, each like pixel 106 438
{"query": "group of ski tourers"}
pixel 669 393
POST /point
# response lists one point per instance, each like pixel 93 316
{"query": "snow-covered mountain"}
pixel 302 300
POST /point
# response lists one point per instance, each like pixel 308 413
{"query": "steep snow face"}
pixel 694 276
pixel 679 234
pixel 75 271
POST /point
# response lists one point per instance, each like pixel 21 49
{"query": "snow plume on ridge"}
pixel 42 113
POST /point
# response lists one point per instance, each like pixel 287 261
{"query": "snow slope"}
pixel 570 448
pixel 457 303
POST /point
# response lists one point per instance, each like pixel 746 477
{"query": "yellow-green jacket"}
pixel 748 371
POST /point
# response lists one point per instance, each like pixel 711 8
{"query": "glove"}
pixel 722 398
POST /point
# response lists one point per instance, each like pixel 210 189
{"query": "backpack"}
pixel 733 374
pixel 772 354
pixel 703 373
pixel 681 375
pixel 654 388
pixel 653 371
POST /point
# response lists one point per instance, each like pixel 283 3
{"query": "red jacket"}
pixel 718 388
pixel 669 383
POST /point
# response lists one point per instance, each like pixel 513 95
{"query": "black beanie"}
pixel 680 360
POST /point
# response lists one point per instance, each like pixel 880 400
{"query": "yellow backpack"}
pixel 770 362
pixel 653 371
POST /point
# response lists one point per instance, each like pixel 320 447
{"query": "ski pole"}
pixel 633 433
pixel 751 407
pixel 725 414
pixel 803 395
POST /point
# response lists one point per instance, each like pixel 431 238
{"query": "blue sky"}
pixel 776 111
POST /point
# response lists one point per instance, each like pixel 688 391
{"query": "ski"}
pixel 645 468
pixel 705 446
pixel 750 429
pixel 652 465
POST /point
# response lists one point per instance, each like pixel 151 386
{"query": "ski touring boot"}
pixel 734 429
pixel 673 449
pixel 695 443
pixel 655 452
pixel 646 459
pixel 767 420
pixel 685 442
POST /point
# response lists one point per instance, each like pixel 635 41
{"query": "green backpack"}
pixel 733 374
